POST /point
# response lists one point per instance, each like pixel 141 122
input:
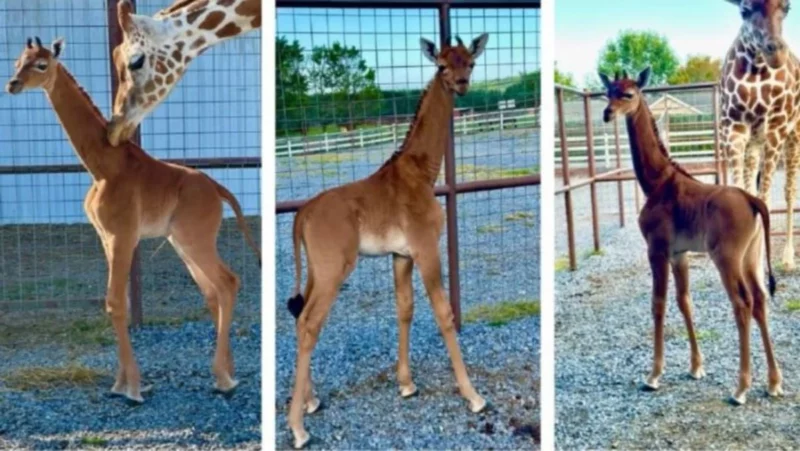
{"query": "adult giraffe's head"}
pixel 36 66
pixel 624 95
pixel 762 28
pixel 455 62
pixel 156 51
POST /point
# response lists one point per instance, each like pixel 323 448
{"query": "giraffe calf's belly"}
pixel 391 242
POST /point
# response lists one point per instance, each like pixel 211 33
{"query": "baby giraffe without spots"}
pixel 393 211
pixel 135 196
pixel 684 215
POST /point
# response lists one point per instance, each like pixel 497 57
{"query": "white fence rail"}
pixel 681 144
pixel 358 139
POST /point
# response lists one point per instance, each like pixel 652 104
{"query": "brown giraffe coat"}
pixel 760 105
pixel 156 51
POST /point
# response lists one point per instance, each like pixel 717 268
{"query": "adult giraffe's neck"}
pixel 429 135
pixel 650 160
pixel 200 25
pixel 84 125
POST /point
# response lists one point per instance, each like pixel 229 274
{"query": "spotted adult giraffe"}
pixel 760 105
pixel 393 211
pixel 156 51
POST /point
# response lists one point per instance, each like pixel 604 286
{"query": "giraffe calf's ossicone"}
pixel 684 215
pixel 135 196
pixel 156 52
pixel 393 211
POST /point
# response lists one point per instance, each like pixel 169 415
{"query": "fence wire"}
pixel 49 255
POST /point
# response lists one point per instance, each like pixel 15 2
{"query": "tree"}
pixel 527 91
pixel 698 68
pixel 340 76
pixel 564 78
pixel 632 51
pixel 291 85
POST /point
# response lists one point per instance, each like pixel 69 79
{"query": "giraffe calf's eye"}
pixel 627 95
pixel 41 67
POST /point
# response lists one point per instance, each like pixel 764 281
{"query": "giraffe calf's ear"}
pixel 605 80
pixel 429 50
pixel 478 45
pixel 58 47
pixel 644 78
pixel 735 2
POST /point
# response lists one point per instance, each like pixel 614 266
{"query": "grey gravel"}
pixel 354 362
pixel 604 349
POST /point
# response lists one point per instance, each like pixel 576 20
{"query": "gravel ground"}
pixel 354 361
pixel 604 349
pixel 173 349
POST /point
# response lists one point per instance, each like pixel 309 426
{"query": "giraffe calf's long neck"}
pixel 203 24
pixel 429 134
pixel 650 161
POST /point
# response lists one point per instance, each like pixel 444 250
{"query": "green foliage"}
pixel 632 51
pixel 564 78
pixel 698 68
pixel 291 83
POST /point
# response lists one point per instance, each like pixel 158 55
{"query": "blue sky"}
pixel 692 27
pixel 389 39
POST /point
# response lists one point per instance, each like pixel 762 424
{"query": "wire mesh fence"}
pixel 49 255
pixel 687 119
pixel 331 132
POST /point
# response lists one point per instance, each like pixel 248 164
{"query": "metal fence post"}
pixel 592 171
pixel 135 279
pixel 719 164
pixel 562 133
pixel 450 199
pixel 620 191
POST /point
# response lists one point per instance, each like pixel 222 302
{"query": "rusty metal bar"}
pixel 587 111
pixel 562 133
pixel 196 163
pixel 291 206
pixel 408 3
pixel 721 169
pixel 612 175
pixel 135 280
pixel 451 197
pixel 620 188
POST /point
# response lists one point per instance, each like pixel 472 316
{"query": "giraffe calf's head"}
pixel 455 63
pixel 624 95
pixel 35 67
pixel 146 67
pixel 762 27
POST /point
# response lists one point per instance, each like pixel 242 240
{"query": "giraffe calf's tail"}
pixel 228 197
pixel 760 208
pixel 296 302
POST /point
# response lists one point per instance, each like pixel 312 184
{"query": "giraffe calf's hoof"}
pixel 301 440
pixel 409 391
pixel 737 400
pixel 698 373
pixel 650 385
pixel 227 391
pixel 314 406
pixel 775 392
pixel 134 401
pixel 478 405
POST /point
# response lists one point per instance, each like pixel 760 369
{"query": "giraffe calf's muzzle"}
pixel 608 115
pixel 14 86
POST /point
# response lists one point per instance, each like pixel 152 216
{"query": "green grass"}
pixel 519 216
pixel 94 441
pixel 31 289
pixel 44 378
pixel 328 158
pixel 490 228
pixel 502 313
pixel 704 335
pixel 562 264
pixel 793 305
pixel 475 172
pixel 90 331
pixel 593 253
